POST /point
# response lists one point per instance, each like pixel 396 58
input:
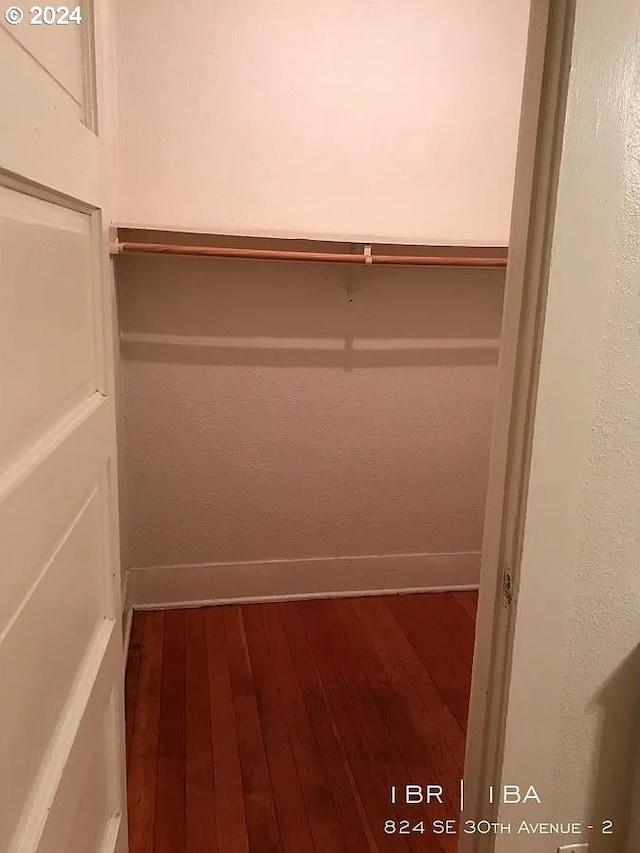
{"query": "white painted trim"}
pixel 127 615
pixel 282 580
pixel 539 154
pixel 126 633
pixel 122 844
pixel 274 599
pixel 44 815
pixel 114 841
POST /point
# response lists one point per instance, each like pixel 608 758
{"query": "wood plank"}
pixel 353 823
pixel 449 673
pixel 287 792
pixel 468 600
pixel 447 728
pixel 372 756
pixel 231 826
pixel 170 823
pixel 200 799
pixel 143 766
pixel 262 823
pixel 456 748
pixel 391 731
pixel 315 779
pixel 454 621
pixel 407 711
pixel 447 750
pixel 132 674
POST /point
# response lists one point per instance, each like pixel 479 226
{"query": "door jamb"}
pixel 532 221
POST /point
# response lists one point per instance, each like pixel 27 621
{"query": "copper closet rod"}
pixel 367 258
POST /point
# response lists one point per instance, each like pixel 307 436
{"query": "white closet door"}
pixel 61 659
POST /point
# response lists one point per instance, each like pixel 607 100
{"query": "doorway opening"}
pixel 281 715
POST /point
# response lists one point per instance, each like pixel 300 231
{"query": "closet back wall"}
pixel 387 120
pixel 267 418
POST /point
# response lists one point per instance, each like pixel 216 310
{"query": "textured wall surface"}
pixel 572 724
pixel 266 417
pixel 368 119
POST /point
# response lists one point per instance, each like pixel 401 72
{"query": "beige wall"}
pixel 268 418
pixel 367 119
pixel 572 723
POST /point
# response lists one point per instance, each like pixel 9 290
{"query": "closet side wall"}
pixel 364 120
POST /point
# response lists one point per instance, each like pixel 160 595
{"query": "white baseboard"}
pixel 275 580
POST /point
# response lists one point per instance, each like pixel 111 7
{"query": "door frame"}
pixel 532 220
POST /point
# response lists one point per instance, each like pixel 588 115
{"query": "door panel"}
pixel 61 655
pixel 44 496
pixel 67 606
pixel 63 57
pixel 81 817
pixel 90 818
pixel 44 136
pixel 48 341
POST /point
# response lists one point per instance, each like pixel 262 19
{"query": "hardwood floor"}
pixel 282 727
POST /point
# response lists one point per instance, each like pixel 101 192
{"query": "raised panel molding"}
pixel 48 335
pixel 35 117
pixel 41 494
pixel 51 808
